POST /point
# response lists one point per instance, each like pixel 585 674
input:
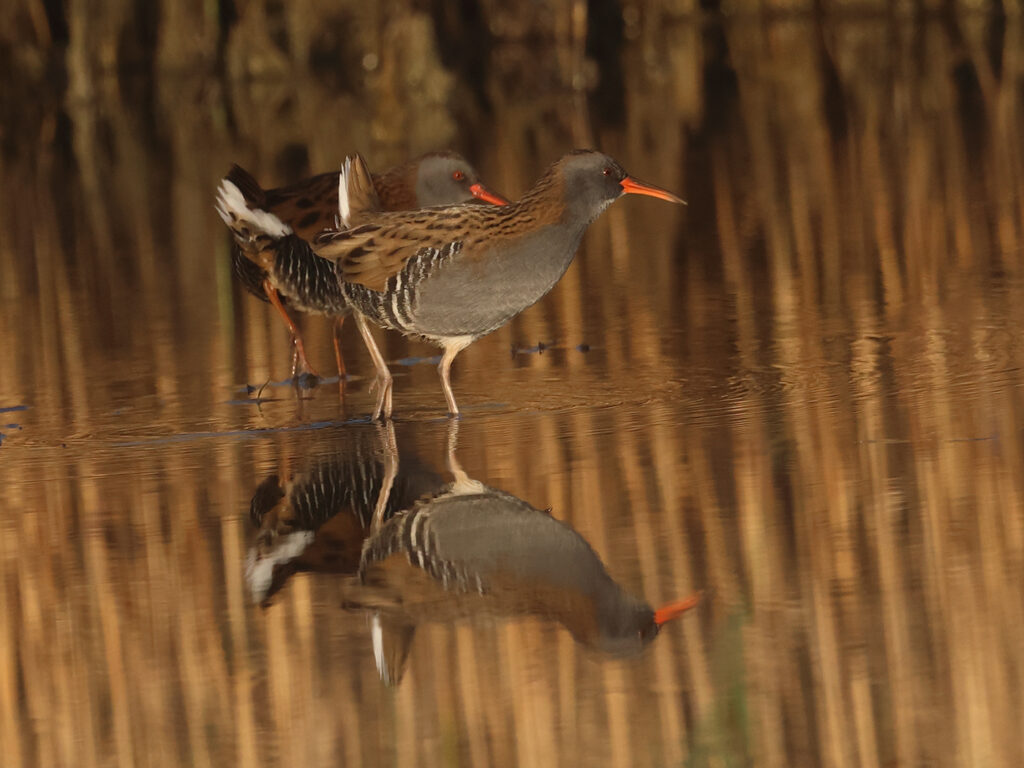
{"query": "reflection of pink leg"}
pixel 387 433
pixel 340 321
pixel 383 380
pixel 463 482
pixel 300 350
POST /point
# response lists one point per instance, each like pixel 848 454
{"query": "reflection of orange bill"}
pixel 675 609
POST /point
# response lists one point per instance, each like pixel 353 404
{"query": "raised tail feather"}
pixel 239 198
pixel 254 195
pixel 357 195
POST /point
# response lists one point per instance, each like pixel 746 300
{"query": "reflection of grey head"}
pixel 444 178
pixel 625 625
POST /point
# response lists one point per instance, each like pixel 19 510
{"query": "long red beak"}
pixel 631 186
pixel 480 191
pixel 675 609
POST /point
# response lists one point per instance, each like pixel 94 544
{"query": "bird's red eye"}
pixel 458 175
pixel 607 171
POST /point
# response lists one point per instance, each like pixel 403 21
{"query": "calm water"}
pixel 801 395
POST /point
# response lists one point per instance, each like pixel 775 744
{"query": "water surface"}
pixel 802 395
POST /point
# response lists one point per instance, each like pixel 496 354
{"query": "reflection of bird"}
pixel 317 520
pixel 452 275
pixel 473 549
pixel 428 551
pixel 309 206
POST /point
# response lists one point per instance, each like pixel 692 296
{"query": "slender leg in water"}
pixel 338 322
pixel 451 349
pixel 300 350
pixel 384 379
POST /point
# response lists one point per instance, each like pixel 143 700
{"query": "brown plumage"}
pixel 397 185
pixel 310 206
pixel 371 254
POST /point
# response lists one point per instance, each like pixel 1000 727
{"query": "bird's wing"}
pixel 309 206
pixel 373 253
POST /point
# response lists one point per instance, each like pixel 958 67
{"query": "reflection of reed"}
pixel 848 480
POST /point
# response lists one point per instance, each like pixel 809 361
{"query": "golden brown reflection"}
pixel 807 399
pixel 426 551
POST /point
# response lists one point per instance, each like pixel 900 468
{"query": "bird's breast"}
pixel 483 288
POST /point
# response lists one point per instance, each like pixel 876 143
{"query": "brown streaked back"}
pixel 396 187
pixel 307 206
pixel 371 254
pixel 311 205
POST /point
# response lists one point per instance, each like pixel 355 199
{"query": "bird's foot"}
pixel 300 364
pixel 306 380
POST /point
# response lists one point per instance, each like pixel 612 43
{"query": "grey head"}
pixel 592 181
pixel 447 178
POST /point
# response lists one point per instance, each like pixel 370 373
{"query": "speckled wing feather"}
pixel 373 253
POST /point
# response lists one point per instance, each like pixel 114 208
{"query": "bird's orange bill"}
pixel 675 609
pixel 480 191
pixel 631 186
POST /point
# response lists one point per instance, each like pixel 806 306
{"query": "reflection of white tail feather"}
pixel 377 635
pixel 233 209
pixel 344 209
pixel 259 568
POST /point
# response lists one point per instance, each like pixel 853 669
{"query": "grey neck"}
pixel 545 256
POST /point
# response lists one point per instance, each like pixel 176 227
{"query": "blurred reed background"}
pixel 803 393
